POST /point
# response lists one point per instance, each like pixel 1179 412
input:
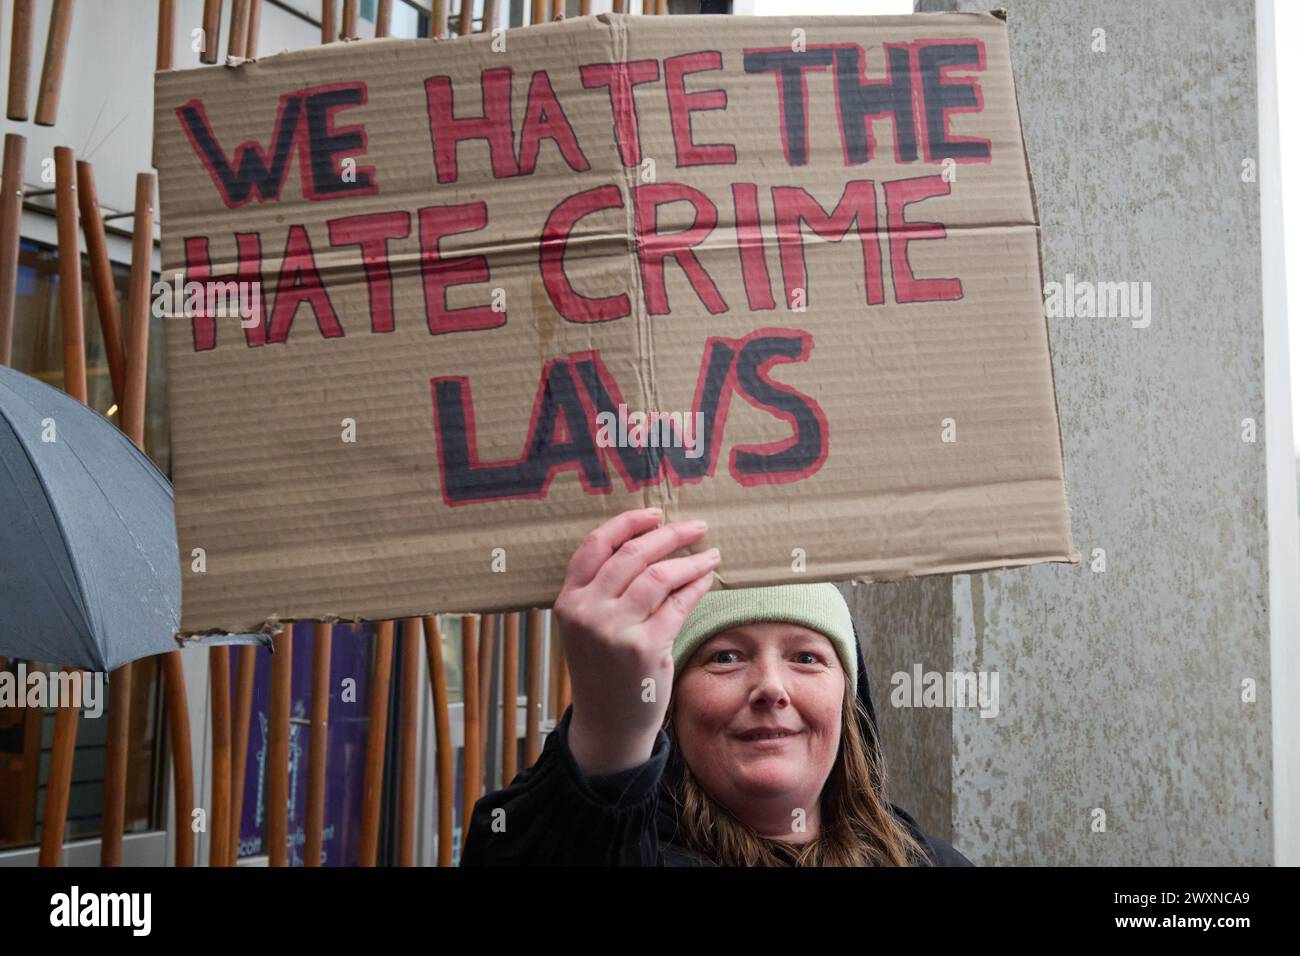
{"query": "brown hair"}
pixel 857 828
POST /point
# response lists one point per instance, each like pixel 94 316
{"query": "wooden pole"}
pixel 509 698
pixel 254 28
pixel 410 726
pixel 466 17
pixel 211 31
pixel 661 8
pixel 11 213
pixel 219 677
pixel 238 29
pixel 533 688
pixel 442 738
pixel 487 646
pixel 101 278
pixel 137 358
pixel 618 6
pixel 56 53
pixel 584 8
pixel 376 740
pixel 20 61
pixel 178 728
pixel 438 19
pixel 59 783
pixel 166 35
pixel 329 31
pixel 540 11
pixel 349 20
pixel 277 751
pixel 473 779
pixel 131 406
pixel 74 338
pixel 566 688
pixel 383 18
pixel 318 748
pixel 117 752
pixel 245 671
pixel 489 16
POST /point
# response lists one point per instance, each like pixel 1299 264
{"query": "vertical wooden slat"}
pixel 349 20
pixel 58 784
pixel 211 31
pixel 473 778
pixel 329 30
pixel 137 331
pixel 20 60
pixel 584 8
pixel 166 35
pixel 238 28
pixel 540 11
pixel 116 761
pixel 11 213
pixel 509 698
pixel 487 646
pixel 245 672
pixel 131 402
pixel 219 824
pixel 442 737
pixel 376 741
pixel 178 729
pixel 410 716
pixel 438 19
pixel 101 279
pixel 74 340
pixel 254 29
pixel 384 18
pixel 533 688
pixel 56 54
pixel 277 750
pixel 322 652
pixel 466 18
pixel 489 15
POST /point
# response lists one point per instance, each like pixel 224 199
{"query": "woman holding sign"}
pixel 730 728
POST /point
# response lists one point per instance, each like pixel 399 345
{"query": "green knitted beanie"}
pixel 820 607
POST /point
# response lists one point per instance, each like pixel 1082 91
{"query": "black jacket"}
pixel 556 815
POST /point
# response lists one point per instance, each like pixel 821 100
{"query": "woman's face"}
pixel 740 687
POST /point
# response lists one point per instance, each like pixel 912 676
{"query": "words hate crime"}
pixel 915 96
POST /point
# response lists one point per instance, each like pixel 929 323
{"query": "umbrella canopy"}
pixel 89 571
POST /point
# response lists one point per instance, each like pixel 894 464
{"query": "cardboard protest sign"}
pixel 438 308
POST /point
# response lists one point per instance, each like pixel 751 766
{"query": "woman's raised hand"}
pixel 623 602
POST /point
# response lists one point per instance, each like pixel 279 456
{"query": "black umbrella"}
pixel 89 571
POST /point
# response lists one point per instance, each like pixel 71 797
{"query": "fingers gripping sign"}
pixel 623 602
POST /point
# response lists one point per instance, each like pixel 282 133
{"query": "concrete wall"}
pixel 1121 690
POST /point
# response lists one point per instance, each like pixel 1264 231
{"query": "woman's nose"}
pixel 769 688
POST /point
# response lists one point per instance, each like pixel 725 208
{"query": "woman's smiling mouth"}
pixel 767 734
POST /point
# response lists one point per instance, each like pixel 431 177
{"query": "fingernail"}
pixel 699 525
pixel 714 554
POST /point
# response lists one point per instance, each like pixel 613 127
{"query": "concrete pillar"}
pixel 1124 691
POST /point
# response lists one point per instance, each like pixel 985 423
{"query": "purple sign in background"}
pixel 345 764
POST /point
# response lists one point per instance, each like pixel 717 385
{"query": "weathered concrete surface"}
pixel 1122 691
pixel 900 625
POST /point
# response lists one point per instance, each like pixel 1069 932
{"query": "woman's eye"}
pixel 719 657
pixel 808 657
